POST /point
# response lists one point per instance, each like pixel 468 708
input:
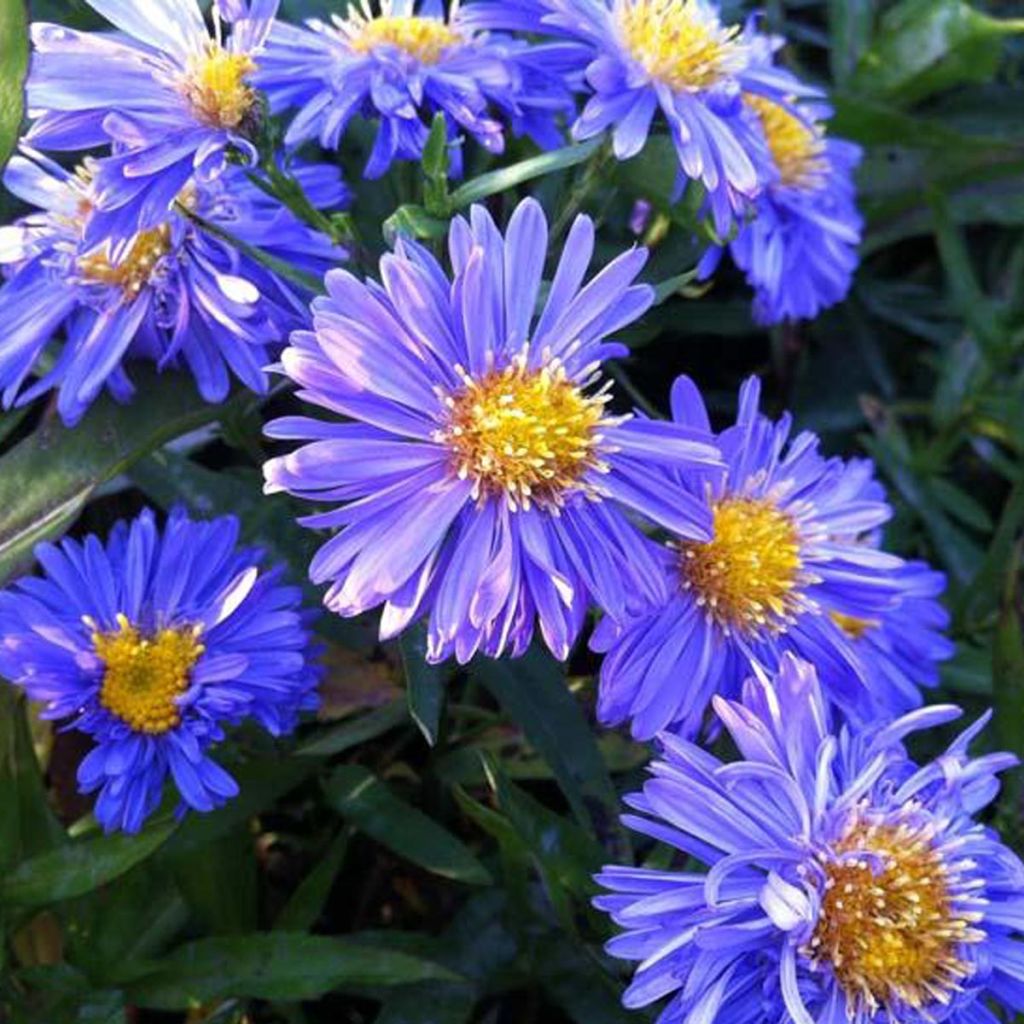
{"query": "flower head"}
pixel 173 100
pixel 173 294
pixel 676 56
pixel 402 65
pixel 152 644
pixel 485 483
pixel 843 882
pixel 784 560
pixel 799 249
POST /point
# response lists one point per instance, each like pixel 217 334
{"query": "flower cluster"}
pixel 472 466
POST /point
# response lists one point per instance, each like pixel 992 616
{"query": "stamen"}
pixel 893 918
pixel 143 676
pixel 529 435
pixel 216 88
pixel 679 42
pixel 748 576
pixel 797 147
pixel 426 39
pixel 134 270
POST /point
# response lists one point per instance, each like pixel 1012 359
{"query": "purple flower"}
pixel 402 66
pixel 151 644
pixel 829 878
pixel 484 483
pixel 174 101
pixel 784 563
pixel 172 295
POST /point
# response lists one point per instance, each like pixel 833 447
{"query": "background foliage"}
pixel 423 853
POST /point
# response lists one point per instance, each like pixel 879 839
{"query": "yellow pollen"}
pixel 132 272
pixel 746 577
pixel 797 148
pixel 216 88
pixel 852 626
pixel 891 925
pixel 143 676
pixel 527 434
pixel 426 39
pixel 678 42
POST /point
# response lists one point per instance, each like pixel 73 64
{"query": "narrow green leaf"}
pixel 506 178
pixel 13 65
pixel 415 222
pixel 284 966
pixel 372 807
pixel 221 887
pixel 425 683
pixel 307 902
pixel 533 692
pixel 350 734
pixel 849 23
pixel 46 479
pixel 80 867
pixel 27 826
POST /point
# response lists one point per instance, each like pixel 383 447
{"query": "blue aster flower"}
pixel 675 56
pixel 173 295
pixel 175 100
pixel 901 648
pixel 403 65
pixel 842 883
pixel 783 564
pixel 152 644
pixel 799 250
pixel 484 484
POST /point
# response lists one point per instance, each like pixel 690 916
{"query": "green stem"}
pixel 582 191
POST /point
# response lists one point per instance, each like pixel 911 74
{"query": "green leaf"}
pixel 435 164
pixel 925 46
pixel 849 23
pixel 79 867
pixel 284 966
pixel 27 826
pixel 346 735
pixel 13 65
pixel 425 683
pixel 46 479
pixel 307 902
pixel 371 806
pixel 532 690
pixel 220 887
pixel 414 221
pixel 507 178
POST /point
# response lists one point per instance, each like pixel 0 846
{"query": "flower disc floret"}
pixel 216 87
pixel 680 43
pixel 526 435
pixel 133 271
pixel 797 145
pixel 426 39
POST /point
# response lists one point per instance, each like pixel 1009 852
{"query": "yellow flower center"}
pixel 143 676
pixel 527 434
pixel 426 39
pixel 852 626
pixel 133 271
pixel 746 577
pixel 679 42
pixel 893 916
pixel 216 88
pixel 797 148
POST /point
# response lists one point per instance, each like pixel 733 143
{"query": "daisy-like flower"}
pixel 485 483
pixel 672 55
pixel 799 250
pixel 152 644
pixel 403 65
pixel 173 294
pixel 901 648
pixel 844 883
pixel 174 100
pixel 781 566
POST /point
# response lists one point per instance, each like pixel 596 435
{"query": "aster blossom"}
pixel 784 562
pixel 173 295
pixel 673 56
pixel 844 882
pixel 401 66
pixel 799 249
pixel 174 100
pixel 152 644
pixel 484 483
